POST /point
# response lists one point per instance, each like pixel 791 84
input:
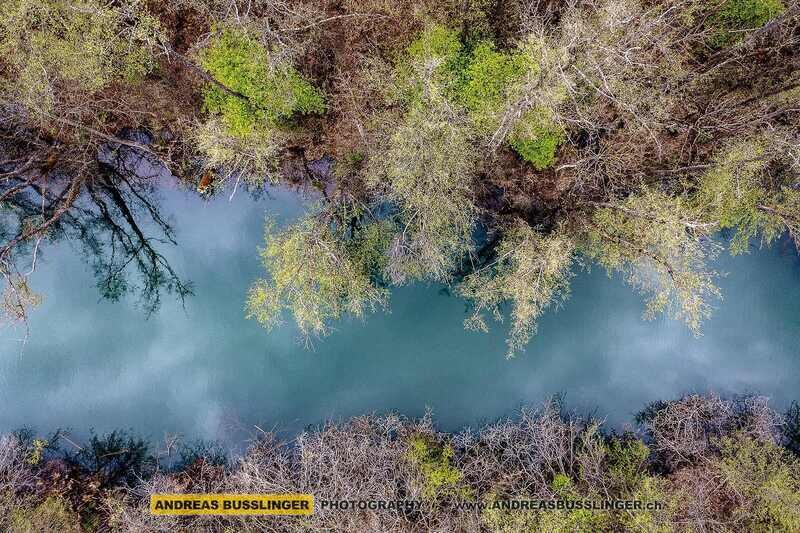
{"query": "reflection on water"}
pixel 206 371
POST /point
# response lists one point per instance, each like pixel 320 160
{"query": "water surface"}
pixel 205 371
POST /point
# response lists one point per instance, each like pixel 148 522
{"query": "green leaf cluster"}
pixel 440 478
pixel 536 138
pixel 741 193
pixel 486 82
pixel 313 275
pixel 491 80
pixel 271 95
pixel 73 45
pixel 531 271
pixel 426 171
pixel 735 17
pixel 767 478
pixel 658 243
pixel 53 514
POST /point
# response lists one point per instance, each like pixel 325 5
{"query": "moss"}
pixel 272 94
pixel 735 17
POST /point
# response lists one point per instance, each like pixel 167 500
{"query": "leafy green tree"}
pixel 531 271
pixel 253 103
pixel 440 479
pixel 313 276
pixel 57 48
pixel 766 480
pixel 492 80
pixel 750 188
pixel 53 514
pixel 658 242
pixel 259 93
pixel 627 463
pixel 536 138
pixel 426 171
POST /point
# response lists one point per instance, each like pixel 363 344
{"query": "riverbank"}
pixel 694 463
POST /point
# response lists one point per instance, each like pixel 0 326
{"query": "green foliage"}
pixel 51 515
pixel 313 276
pixel 564 521
pixel 536 139
pixel 627 458
pixel 652 489
pixel 38 447
pixel 440 479
pixel 767 480
pixel 73 45
pixel 271 94
pixel 430 70
pixel 531 271
pixel 368 247
pixel 491 80
pixel 741 192
pixel 254 157
pixel 658 242
pixel 735 17
pixel 426 171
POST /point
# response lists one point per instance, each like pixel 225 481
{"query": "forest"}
pixel 496 147
pixel 712 464
pixel 493 147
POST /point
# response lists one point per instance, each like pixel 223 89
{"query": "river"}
pixel 207 372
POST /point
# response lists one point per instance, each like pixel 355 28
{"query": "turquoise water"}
pixel 208 372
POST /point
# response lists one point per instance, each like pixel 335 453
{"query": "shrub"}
pixel 766 480
pixel 737 16
pixel 490 80
pixel 52 515
pixel 431 67
pixel 627 461
pixel 536 139
pixel 271 95
pixel 56 47
pixel 440 478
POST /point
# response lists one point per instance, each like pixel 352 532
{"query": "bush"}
pixel 737 16
pixel 440 479
pixel 766 480
pixel 490 80
pixel 52 515
pixel 271 95
pixel 536 139
pixel 627 463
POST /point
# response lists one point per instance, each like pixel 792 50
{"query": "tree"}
pixel 426 171
pixel 659 244
pixel 531 270
pixel 313 276
pixel 751 187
